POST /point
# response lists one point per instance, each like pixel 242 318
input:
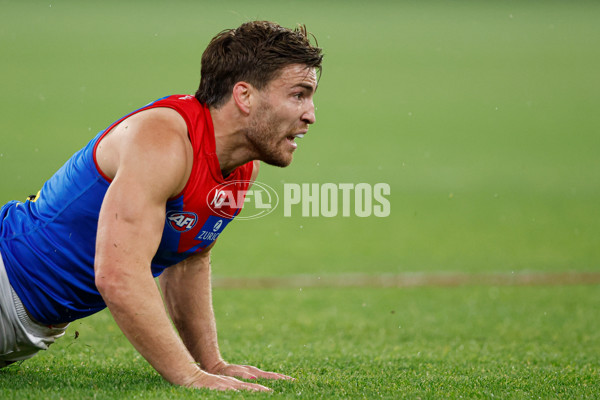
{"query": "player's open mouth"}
pixel 291 139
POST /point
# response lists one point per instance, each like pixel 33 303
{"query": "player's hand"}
pixel 248 372
pixel 217 382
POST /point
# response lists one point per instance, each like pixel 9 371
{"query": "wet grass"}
pixel 470 342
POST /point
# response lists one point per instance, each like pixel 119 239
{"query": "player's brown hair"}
pixel 254 53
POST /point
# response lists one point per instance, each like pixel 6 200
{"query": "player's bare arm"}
pixel 187 291
pixel 150 162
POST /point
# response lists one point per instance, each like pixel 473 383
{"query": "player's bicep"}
pixel 129 226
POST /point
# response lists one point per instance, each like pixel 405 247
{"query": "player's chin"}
pixel 283 159
pixel 280 162
pixel 287 158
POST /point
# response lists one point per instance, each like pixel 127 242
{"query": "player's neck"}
pixel 232 147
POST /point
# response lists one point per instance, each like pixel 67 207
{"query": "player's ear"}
pixel 242 93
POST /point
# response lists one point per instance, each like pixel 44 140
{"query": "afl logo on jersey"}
pixel 181 221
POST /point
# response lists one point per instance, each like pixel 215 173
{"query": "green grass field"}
pixel 481 116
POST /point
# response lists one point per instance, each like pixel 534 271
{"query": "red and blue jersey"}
pixel 48 244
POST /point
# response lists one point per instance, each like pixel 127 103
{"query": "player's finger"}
pixel 285 377
pixel 219 383
pixel 241 385
pixel 272 375
pixel 250 372
pixel 254 387
pixel 246 375
pixel 240 371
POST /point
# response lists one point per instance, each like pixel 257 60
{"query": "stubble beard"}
pixel 263 136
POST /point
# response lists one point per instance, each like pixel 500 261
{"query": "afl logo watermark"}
pixel 182 221
pixel 227 200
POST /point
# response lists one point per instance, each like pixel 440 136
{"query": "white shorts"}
pixel 20 337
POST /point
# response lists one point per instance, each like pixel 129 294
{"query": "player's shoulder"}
pixel 161 129
pixel 154 138
pixel 160 118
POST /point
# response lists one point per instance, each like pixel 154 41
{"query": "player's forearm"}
pixel 187 291
pixel 138 310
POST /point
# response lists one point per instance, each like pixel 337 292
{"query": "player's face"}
pixel 284 110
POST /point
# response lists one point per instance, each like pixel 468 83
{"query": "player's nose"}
pixel 309 115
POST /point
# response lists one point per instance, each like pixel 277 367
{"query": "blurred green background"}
pixel 481 116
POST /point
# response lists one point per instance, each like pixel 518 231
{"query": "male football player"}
pixel 135 204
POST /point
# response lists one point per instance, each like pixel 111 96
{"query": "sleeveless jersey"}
pixel 48 244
